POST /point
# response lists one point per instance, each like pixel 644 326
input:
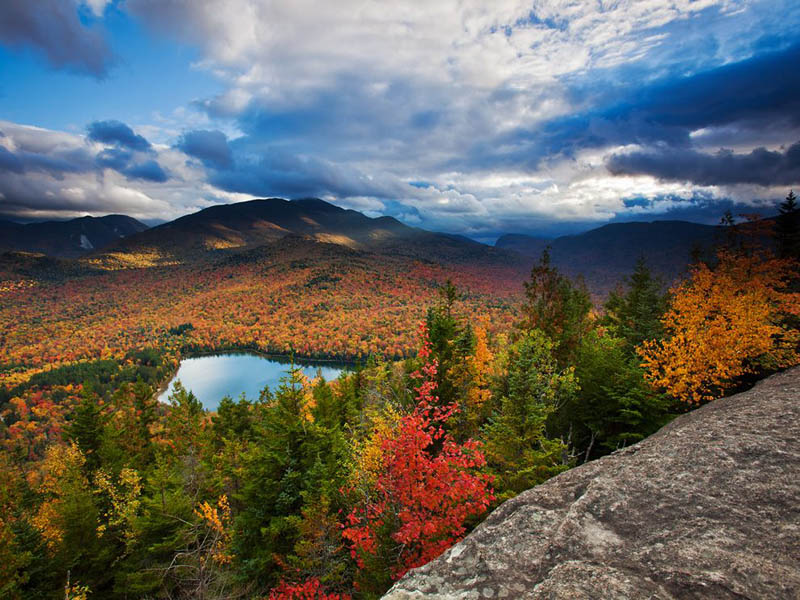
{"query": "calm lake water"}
pixel 211 378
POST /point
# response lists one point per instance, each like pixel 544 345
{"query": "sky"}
pixel 467 116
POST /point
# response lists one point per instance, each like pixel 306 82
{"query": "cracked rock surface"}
pixel 708 507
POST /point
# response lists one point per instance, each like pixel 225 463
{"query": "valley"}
pixel 454 376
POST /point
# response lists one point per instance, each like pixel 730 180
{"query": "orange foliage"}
pixel 217 519
pixel 725 323
pixel 308 299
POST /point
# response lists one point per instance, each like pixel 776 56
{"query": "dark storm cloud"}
pixel 753 94
pixel 761 166
pixel 114 158
pixel 118 133
pixel 10 162
pixel 53 27
pixel 211 147
pixel 147 171
pixel 280 174
pixel 56 163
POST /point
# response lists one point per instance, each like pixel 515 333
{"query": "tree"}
pixel 518 450
pixel 291 461
pixel 556 306
pixel 635 315
pixel 86 429
pixel 450 342
pixel 724 324
pixel 422 497
pixel 788 228
pixel 615 406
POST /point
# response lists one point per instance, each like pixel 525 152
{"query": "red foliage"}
pixel 306 299
pixel 310 589
pixel 428 486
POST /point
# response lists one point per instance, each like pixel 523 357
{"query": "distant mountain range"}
pixel 603 256
pixel 67 239
pixel 242 226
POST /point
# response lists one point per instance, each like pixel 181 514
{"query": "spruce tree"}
pixel 518 450
pixel 635 315
pixel 558 307
pixel 788 228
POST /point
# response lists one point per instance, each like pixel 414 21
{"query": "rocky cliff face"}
pixel 709 507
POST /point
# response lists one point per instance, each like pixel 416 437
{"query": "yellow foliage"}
pixel 481 363
pixel 60 470
pixel 76 592
pixel 724 323
pixel 124 498
pixel 217 519
pixel 369 453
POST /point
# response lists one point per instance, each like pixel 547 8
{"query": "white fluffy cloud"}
pixel 462 115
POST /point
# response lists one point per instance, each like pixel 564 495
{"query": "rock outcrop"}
pixel 708 507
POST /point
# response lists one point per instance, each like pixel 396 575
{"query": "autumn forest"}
pixel 471 380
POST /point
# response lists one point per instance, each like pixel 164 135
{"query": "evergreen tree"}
pixel 635 315
pixel 517 448
pixel 86 430
pixel 291 462
pixel 451 342
pixel 615 407
pixel 788 228
pixel 558 307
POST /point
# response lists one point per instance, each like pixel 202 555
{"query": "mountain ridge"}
pixel 67 239
pixel 605 255
pixel 246 225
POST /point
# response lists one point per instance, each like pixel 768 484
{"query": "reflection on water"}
pixel 211 378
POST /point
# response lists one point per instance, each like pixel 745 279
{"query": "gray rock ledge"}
pixel 708 507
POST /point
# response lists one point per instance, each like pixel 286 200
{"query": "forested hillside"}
pixel 67 239
pixel 604 255
pixel 474 383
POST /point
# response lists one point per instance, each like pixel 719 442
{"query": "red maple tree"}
pixel 428 487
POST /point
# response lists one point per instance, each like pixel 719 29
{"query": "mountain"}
pixel 242 226
pixel 705 508
pixel 605 255
pixel 67 239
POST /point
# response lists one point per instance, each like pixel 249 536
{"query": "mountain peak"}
pixel 317 204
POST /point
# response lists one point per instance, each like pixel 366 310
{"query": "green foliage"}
pixel 517 447
pixel 86 430
pixel 788 228
pixel 557 306
pixel 615 407
pixel 634 315
pixel 293 460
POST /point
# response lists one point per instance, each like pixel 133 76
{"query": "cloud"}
pixel 54 29
pixel 514 114
pixel 45 173
pixel 761 166
pixel 211 147
pixel 10 162
pixel 116 132
pixel 750 96
pixel 114 158
pixel 149 171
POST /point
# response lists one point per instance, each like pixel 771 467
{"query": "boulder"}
pixel 708 507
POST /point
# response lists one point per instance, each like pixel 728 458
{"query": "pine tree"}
pixel 558 307
pixel 635 315
pixel 788 228
pixel 517 447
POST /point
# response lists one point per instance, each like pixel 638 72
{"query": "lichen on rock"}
pixel 708 507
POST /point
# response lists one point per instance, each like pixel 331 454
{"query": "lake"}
pixel 211 378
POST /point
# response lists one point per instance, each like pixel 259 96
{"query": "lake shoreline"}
pixel 278 359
